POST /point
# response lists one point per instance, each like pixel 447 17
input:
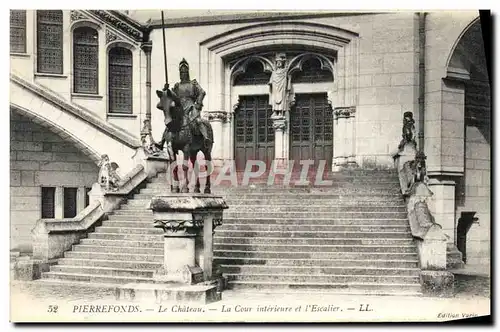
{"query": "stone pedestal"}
pixel 188 221
pixel 280 142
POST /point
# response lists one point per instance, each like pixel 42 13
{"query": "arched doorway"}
pixel 472 191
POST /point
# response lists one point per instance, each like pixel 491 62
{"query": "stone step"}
pixel 298 215
pixel 307 228
pixel 111 249
pixel 346 252
pixel 385 197
pixel 362 190
pixel 299 249
pixel 284 208
pixel 102 271
pixel 387 183
pixel 146 217
pixel 303 200
pixel 327 279
pixel 94 278
pixel 133 257
pixel 316 221
pixel 124 223
pixel 407 263
pixel 125 237
pixel 129 230
pixel 345 288
pixel 319 270
pixel 311 234
pixel 311 242
pixel 120 243
pixel 119 264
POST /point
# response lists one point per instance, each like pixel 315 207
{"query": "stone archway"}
pixel 467 68
pixel 457 107
pixel 217 52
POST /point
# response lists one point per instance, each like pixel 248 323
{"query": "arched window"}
pixel 312 73
pixel 120 80
pixel 85 60
pixel 253 75
pixel 18 31
pixel 49 41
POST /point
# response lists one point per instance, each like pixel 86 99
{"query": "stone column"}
pixel 217 119
pixel 351 148
pixel 280 144
pixel 147 48
pixel 340 152
pixel 442 205
pixel 59 203
pixel 80 199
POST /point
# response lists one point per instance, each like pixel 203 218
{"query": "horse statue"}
pixel 185 131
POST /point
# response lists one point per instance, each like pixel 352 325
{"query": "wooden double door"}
pixel 311 129
pixel 253 132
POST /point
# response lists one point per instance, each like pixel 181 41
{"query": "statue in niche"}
pixel 108 175
pixel 279 86
pixel 408 130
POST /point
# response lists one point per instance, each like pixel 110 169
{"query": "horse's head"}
pixel 167 100
pixel 168 103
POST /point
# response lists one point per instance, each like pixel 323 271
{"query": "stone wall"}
pixel 39 158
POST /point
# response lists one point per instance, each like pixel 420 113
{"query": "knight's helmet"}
pixel 184 67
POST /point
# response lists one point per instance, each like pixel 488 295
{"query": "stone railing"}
pixel 52 237
pixel 429 236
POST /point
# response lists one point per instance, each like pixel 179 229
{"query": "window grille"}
pixel 49 41
pixel 18 31
pixel 48 202
pixel 254 75
pixel 120 80
pixel 85 60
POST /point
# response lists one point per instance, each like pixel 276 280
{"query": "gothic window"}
pixel 253 75
pixel 18 31
pixel 120 80
pixel 49 42
pixel 85 60
pixel 312 73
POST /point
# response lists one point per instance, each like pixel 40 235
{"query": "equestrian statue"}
pixel 185 129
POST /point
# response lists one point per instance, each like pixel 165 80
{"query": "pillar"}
pixel 80 199
pixel 280 144
pixel 442 204
pixel 59 203
pixel 147 48
pixel 351 132
pixel 217 120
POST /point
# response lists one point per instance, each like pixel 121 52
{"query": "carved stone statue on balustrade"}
pixel 108 176
pixel 148 143
pixel 279 86
pixel 408 130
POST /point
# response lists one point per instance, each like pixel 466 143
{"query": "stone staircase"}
pixel 349 237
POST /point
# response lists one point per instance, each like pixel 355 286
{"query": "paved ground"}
pixel 472 297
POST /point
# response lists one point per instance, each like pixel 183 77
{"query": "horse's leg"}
pixel 175 171
pixel 185 168
pixel 208 160
pixel 196 172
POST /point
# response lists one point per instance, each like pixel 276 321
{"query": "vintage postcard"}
pixel 249 166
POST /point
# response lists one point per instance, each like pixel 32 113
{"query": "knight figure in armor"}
pixel 191 96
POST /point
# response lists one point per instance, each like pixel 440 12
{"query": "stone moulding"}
pixel 116 21
pixel 186 203
pixel 78 111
